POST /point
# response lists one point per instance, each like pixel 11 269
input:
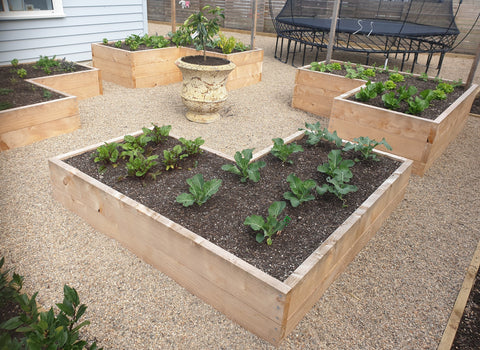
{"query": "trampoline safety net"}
pixel 368 26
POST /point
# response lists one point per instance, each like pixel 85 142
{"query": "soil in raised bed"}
pixel 468 332
pixel 17 92
pixel 220 220
pixel 436 106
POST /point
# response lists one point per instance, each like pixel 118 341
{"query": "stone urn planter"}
pixel 204 89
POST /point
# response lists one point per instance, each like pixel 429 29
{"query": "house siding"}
pixel 85 22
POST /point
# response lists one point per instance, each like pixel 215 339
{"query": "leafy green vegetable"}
pixel 315 134
pixel 445 87
pixel 282 151
pixel 200 191
pixel 417 105
pixel 390 85
pixel 367 93
pixel 404 92
pixel 390 101
pixel 300 190
pixel 107 154
pixel 139 166
pixel 396 77
pixel 337 187
pixel 157 134
pixel 192 147
pixel 336 164
pixel 271 225
pixel 365 146
pixel 244 168
pixel 172 157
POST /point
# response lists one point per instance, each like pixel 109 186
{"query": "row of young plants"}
pixel 394 91
pixel 46 64
pixel 34 329
pixel 190 33
pixel 337 170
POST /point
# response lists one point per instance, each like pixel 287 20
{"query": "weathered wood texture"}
pixel 82 84
pixel 149 68
pixel 314 91
pixel 260 303
pixel 419 139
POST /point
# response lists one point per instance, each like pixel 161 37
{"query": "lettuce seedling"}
pixel 134 146
pixel 192 147
pixel 390 101
pixel 300 190
pixel 244 168
pixel 405 93
pixel 200 191
pixel 271 225
pixel 423 76
pixel 417 105
pixel 367 93
pixel 446 87
pixel 316 134
pixel 14 63
pixel 282 151
pixel 365 146
pixel 390 85
pixel 22 73
pixel 171 157
pixel 335 164
pixel 396 77
pixel 158 134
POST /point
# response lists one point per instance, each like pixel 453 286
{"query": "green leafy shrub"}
pixel 226 44
pixel 390 85
pixel 282 151
pixel 46 64
pixel 200 191
pixel 365 146
pixel 244 168
pixel 271 226
pixel 300 191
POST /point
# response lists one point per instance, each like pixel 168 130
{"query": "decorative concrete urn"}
pixel 204 89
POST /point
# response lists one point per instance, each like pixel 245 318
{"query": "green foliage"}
pixel 379 87
pixel 226 44
pixel 396 77
pixel 118 44
pixel 367 93
pixel 22 73
pixel 336 164
pixel 359 72
pixel 316 134
pixel 423 76
pixel 181 37
pixel 46 64
pixel 200 191
pixel 14 63
pixel 47 94
pixel 139 165
pixel 66 66
pixel 133 41
pixel 390 101
pixel 244 168
pixel 192 147
pixel 157 134
pixel 105 41
pixel 41 330
pixel 322 67
pixel 338 187
pixel 201 29
pixel 445 87
pixel 5 105
pixel 404 92
pixel 390 85
pixel 417 105
pixel 5 91
pixel 133 146
pixel 106 154
pixel 172 157
pixel 267 228
pixel 282 151
pixel 365 146
pixel 439 94
pixel 300 190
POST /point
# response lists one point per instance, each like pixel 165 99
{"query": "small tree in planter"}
pixel 204 78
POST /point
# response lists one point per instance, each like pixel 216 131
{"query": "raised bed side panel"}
pixel 82 84
pixel 224 281
pixel 315 275
pixel 116 64
pixel 24 125
pixel 314 91
pixel 451 123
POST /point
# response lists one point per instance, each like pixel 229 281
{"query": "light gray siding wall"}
pixel 85 22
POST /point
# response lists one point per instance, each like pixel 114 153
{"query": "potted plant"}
pixel 204 78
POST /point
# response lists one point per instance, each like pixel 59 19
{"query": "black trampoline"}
pixel 402 27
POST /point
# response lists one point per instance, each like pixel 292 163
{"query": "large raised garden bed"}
pixel 264 305
pixel 24 125
pixel 314 91
pixel 422 140
pixel 149 68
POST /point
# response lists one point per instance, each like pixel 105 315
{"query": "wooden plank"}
pixel 25 136
pixel 82 84
pixel 29 116
pixel 155 80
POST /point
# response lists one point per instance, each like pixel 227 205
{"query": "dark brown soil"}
pixel 208 61
pixel 468 333
pixel 19 92
pixel 220 220
pixel 436 106
pixel 476 106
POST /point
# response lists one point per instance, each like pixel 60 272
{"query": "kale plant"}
pixel 246 169
pixel 267 228
pixel 315 134
pixel 365 146
pixel 192 147
pixel 157 134
pixel 282 151
pixel 301 191
pixel 200 191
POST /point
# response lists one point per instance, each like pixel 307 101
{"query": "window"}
pixel 24 9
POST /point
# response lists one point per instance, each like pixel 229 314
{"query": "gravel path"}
pixel 397 294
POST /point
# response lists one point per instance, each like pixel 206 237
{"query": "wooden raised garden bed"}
pixel 262 304
pixel 419 139
pixel 314 91
pixel 24 125
pixel 149 68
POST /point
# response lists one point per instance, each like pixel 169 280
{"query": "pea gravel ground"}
pixel 397 294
